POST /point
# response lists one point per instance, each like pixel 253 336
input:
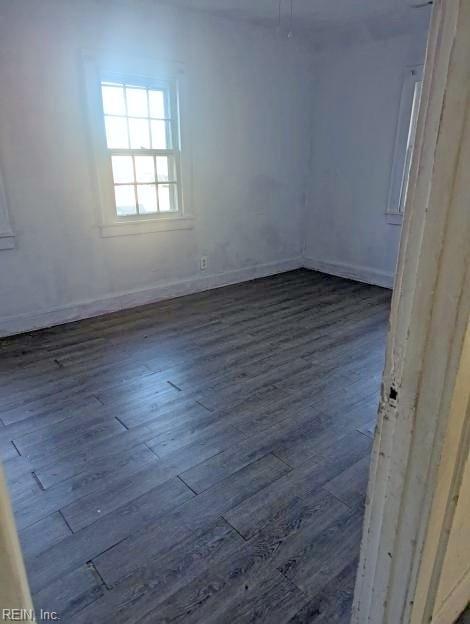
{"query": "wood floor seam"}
pixel 38 481
pixel 96 572
pixel 233 528
pixel 363 433
pixel 65 521
pixel 15 447
pixel 282 460
pixel 340 500
pixel 121 423
pixel 188 486
pixel 174 386
pixel 152 450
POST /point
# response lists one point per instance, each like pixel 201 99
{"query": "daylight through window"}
pixel 142 139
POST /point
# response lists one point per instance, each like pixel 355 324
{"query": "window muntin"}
pixel 142 140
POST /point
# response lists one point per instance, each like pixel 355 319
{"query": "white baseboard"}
pixel 21 323
pixel 351 271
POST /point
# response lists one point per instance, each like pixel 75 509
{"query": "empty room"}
pixel 201 207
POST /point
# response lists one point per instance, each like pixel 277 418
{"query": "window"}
pixel 404 144
pixel 7 237
pixel 142 139
pixel 138 120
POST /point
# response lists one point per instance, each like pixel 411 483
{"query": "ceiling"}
pixel 378 17
pixel 326 11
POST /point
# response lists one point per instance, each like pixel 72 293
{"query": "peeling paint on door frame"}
pixel 423 434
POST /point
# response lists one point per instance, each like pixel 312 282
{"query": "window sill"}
pixel 7 241
pixel 394 218
pixel 131 228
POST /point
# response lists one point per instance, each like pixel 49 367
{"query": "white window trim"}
pixel 137 71
pixel 394 212
pixel 143 226
pixel 7 236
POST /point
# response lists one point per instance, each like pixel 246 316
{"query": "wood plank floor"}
pixel 199 460
pixel 465 617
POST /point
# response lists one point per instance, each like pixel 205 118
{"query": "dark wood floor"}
pixel 199 460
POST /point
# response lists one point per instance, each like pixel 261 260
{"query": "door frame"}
pixel 422 438
pixel 15 596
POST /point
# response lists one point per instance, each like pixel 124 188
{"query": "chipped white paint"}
pixel 422 440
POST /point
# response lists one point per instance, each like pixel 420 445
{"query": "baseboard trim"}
pixel 22 323
pixel 351 271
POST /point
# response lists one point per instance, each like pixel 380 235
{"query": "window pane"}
pixel 147 198
pixel 166 169
pixel 123 170
pixel 116 133
pixel 113 100
pixel 125 201
pixel 139 133
pixel 145 168
pixel 157 104
pixel 159 135
pixel 167 198
pixel 137 102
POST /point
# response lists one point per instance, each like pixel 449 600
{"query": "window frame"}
pixel 150 75
pixel 402 150
pixel 7 236
pixel 173 138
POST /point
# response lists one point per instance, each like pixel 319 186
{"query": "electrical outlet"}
pixel 203 263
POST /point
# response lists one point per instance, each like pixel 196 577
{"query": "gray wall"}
pixel 290 157
pixel 249 107
pixel 356 104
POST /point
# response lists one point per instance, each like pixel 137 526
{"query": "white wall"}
pixel 291 157
pixel 250 107
pixel 358 92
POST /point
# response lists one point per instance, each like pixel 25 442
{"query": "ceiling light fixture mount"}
pixel 290 34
